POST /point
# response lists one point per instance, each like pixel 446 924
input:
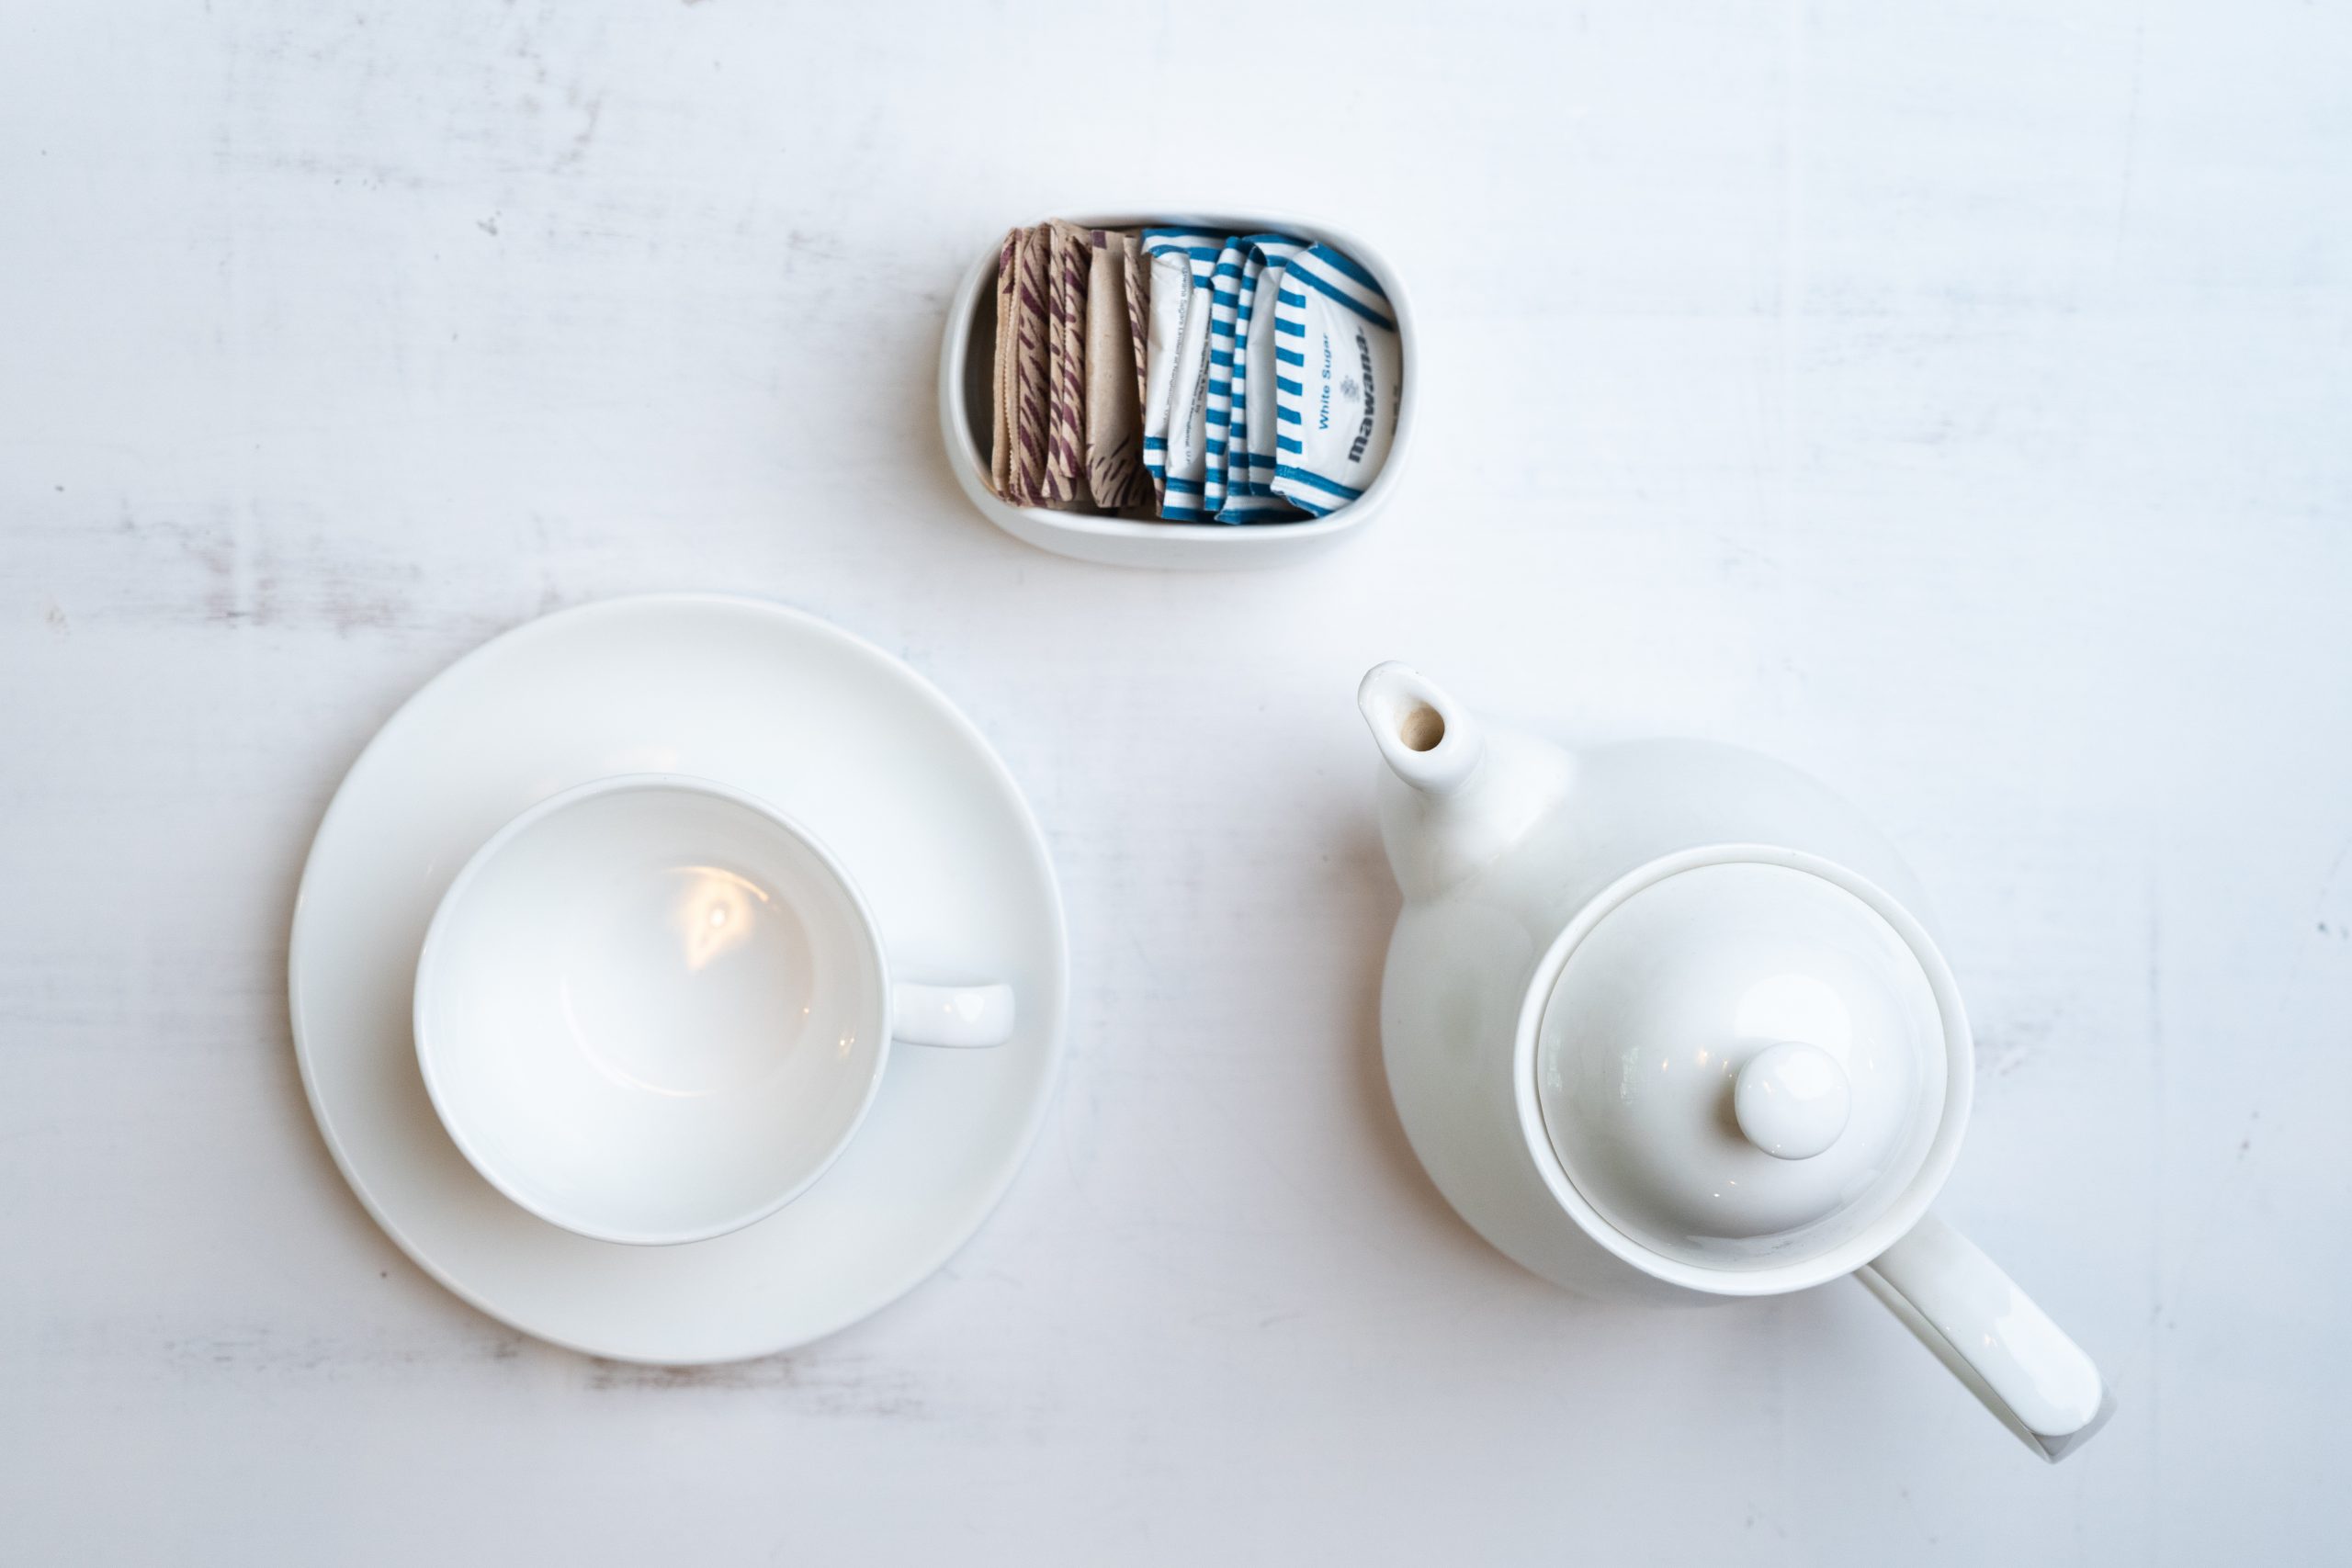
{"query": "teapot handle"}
pixel 1991 1336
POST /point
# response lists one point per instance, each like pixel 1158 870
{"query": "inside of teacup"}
pixel 653 1014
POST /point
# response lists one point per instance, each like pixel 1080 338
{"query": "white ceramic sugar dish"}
pixel 965 413
pixel 653 1009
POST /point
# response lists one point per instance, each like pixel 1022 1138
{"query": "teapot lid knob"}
pixel 1792 1099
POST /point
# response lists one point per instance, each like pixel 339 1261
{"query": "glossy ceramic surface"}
pixel 652 1009
pixel 783 708
pixel 1749 983
pixel 1794 1100
pixel 965 413
pixel 1625 978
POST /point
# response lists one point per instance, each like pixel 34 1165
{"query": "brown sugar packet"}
pixel 1114 470
pixel 1069 259
pixel 999 382
pixel 1137 278
pixel 1025 373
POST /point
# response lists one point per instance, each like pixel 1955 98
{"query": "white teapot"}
pixel 1664 1022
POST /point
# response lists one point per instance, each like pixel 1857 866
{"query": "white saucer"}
pixel 851 743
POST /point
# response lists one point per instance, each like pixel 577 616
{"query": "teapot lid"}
pixel 1742 1062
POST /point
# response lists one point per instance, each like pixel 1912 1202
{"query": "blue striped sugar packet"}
pixel 1338 375
pixel 1274 359
pixel 1216 405
pixel 1249 439
pixel 1268 508
pixel 1168 254
pixel 1185 476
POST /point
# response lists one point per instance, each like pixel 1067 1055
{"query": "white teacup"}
pixel 653 1008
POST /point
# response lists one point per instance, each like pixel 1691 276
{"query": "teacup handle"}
pixel 1991 1336
pixel 951 1015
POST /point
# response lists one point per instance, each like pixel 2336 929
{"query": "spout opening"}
pixel 1421 728
pixel 1427 741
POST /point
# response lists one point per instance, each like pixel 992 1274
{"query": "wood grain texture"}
pixel 1950 400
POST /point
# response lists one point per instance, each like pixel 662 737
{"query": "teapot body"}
pixel 1467 946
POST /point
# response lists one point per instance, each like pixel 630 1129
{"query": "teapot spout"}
pixel 1459 800
pixel 1425 737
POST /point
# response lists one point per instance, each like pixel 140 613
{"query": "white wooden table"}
pixel 1953 400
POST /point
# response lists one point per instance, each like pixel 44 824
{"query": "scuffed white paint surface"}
pixel 1953 400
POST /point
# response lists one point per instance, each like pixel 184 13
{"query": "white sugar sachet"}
pixel 1186 453
pixel 1269 359
pixel 1216 403
pixel 1168 254
pixel 1250 432
pixel 1171 298
pixel 1336 406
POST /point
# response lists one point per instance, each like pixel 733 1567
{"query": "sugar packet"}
pixel 1171 255
pixel 1138 280
pixel 1217 401
pixel 1249 433
pixel 1338 375
pixel 1114 472
pixel 1171 283
pixel 1068 262
pixel 1025 419
pixel 1008 262
pixel 1186 454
